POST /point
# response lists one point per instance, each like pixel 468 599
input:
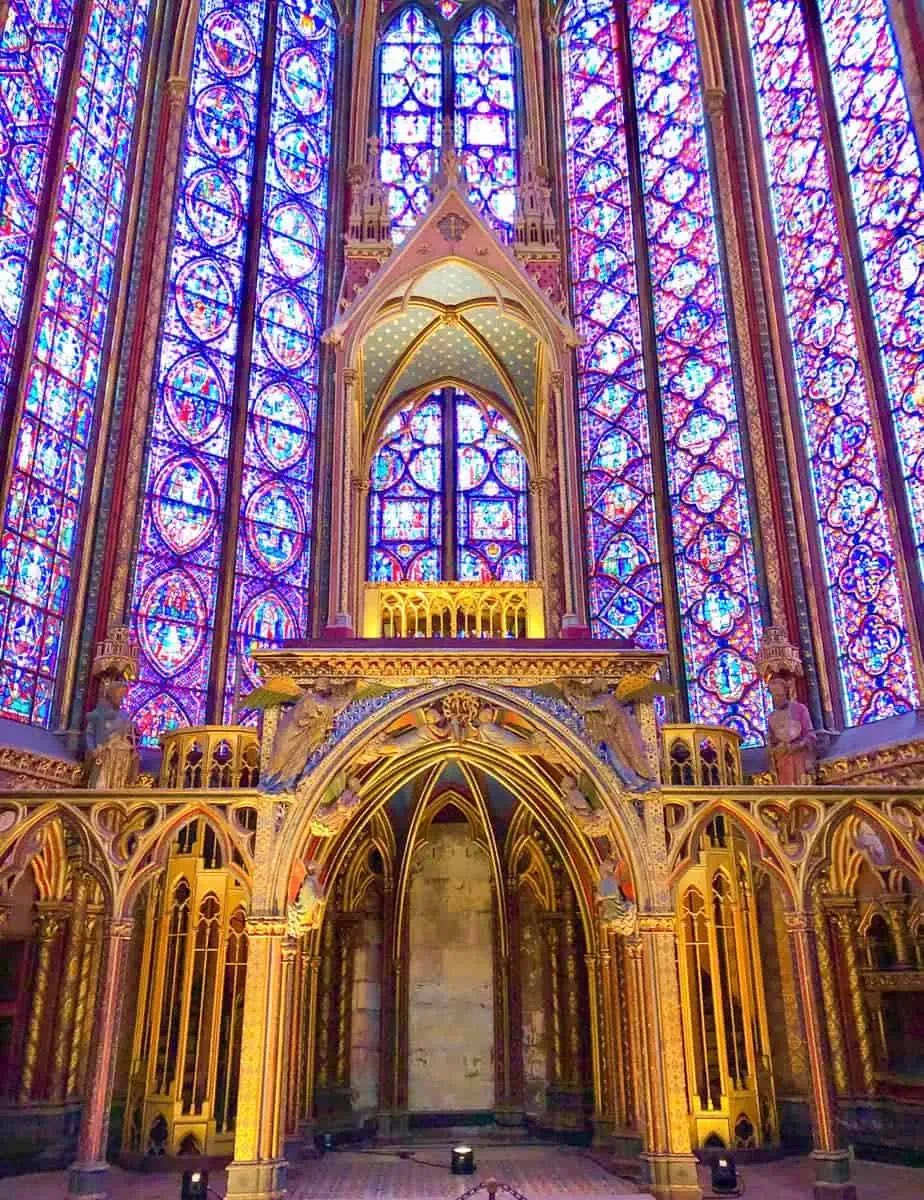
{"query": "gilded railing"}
pixel 454 610
pixel 700 756
pixel 211 757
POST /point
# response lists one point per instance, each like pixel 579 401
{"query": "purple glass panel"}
pixel 624 575
pixel 274 544
pixel 856 540
pixel 410 114
pixel 716 582
pixel 886 180
pixel 485 116
pixel 179 552
pixel 31 58
pixel 50 454
pixel 406 497
pixel 492 502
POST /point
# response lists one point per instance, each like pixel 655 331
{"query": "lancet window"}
pixel 449 494
pixel 451 65
pixel 71 79
pixel 663 182
pixel 658 387
pixel 227 521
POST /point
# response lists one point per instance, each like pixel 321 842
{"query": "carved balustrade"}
pixel 454 610
pixel 210 757
pixel 700 756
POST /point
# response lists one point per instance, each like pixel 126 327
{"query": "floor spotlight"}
pixel 724 1176
pixel 325 1142
pixel 463 1160
pixel 195 1185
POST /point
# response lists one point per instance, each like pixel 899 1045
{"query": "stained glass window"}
pixel 479 98
pixel 846 477
pixel 50 457
pixel 410 113
pixel 179 557
pixel 413 494
pixel 714 559
pixel 406 497
pixel 887 183
pixel 492 501
pixel 205 346
pixel 485 118
pixel 274 546
pixel 625 586
pixel 32 49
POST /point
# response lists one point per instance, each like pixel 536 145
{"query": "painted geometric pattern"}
pixel 887 183
pixel 63 368
pixel 274 542
pixel 180 548
pixel 485 116
pixel 846 476
pixel 714 560
pixel 410 114
pixel 32 52
pixel 625 584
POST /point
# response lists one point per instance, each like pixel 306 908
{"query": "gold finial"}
pixel 117 654
pixel 778 656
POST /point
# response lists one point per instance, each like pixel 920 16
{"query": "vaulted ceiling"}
pixel 451 324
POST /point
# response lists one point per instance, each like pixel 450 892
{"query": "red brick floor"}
pixel 540 1173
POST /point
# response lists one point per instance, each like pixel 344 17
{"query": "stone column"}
pixel 832 1164
pixel 896 913
pixel 832 1005
pixel 553 1006
pixel 311 1034
pixel 66 1031
pixel 843 914
pixel 670 1168
pixel 48 927
pixel 258 1171
pixel 87 1177
pixel 291 1064
pixel 515 1079
pixel 86 1000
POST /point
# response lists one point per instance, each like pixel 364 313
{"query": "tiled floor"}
pixel 539 1173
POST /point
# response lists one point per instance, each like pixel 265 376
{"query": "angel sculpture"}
pixel 429 726
pixel 304 728
pixel 525 745
pixel 592 820
pixel 331 818
pixel 612 724
pixel 304 911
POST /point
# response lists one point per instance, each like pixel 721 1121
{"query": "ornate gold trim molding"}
pixel 521 666
pixel 901 764
pixel 38 772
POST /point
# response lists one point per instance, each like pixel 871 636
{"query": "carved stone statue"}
pixel 613 905
pixel 111 759
pixel 791 738
pixel 305 910
pixel 614 726
pixel 110 741
pixel 304 728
